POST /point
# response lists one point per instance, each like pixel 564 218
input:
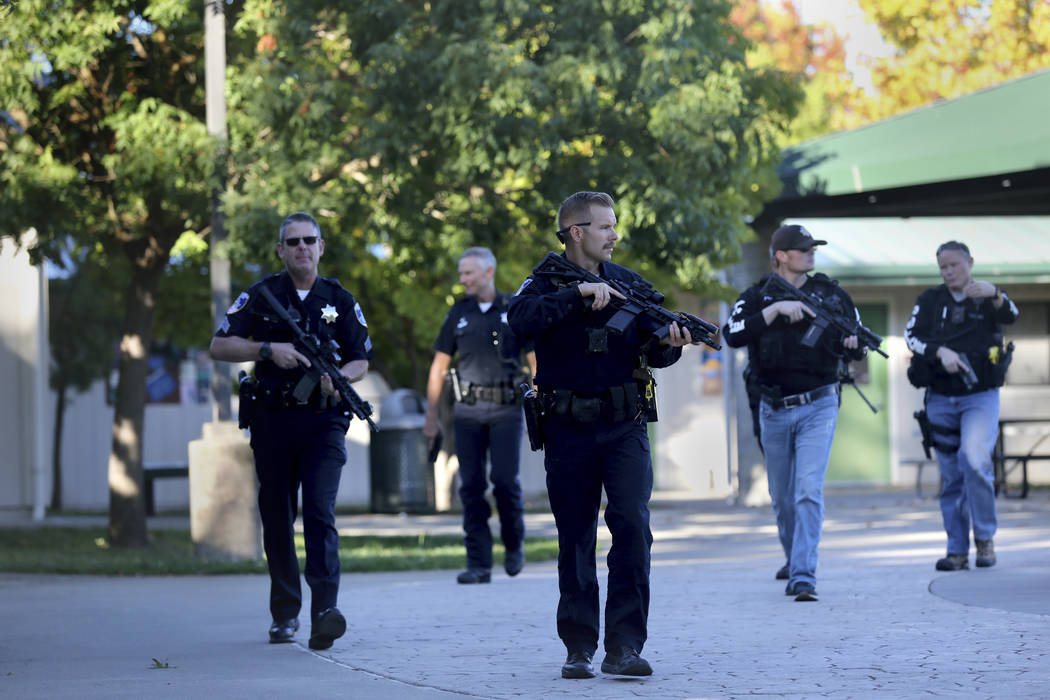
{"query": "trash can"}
pixel 402 478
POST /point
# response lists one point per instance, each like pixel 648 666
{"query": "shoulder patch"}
pixel 523 285
pixel 238 304
pixel 360 314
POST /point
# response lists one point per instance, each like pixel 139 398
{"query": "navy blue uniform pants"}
pixel 299 447
pixel 579 461
pixel 487 431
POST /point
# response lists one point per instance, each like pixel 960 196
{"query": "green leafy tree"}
pixel 416 129
pixel 104 144
pixel 814 54
pixel 948 48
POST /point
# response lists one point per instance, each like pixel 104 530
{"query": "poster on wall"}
pixel 162 380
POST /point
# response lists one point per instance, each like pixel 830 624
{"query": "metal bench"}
pixel 1007 462
pixel 162 470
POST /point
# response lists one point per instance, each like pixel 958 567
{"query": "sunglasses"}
pixel 293 242
pixel 566 229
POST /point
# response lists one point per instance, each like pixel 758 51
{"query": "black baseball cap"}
pixel 793 237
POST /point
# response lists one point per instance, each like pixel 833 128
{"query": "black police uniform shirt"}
pixel 967 326
pixel 781 361
pixel 489 353
pixel 329 311
pixel 563 329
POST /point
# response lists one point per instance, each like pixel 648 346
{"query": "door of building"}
pixel 861 451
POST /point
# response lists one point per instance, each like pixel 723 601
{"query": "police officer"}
pixel 955 332
pixel 298 444
pixel 799 392
pixel 593 384
pixel 487 417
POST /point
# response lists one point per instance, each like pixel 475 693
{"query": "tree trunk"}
pixel 56 448
pixel 127 508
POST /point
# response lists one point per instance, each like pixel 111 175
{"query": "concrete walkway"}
pixel 887 624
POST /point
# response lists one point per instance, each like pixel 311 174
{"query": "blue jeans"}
pixel 968 474
pixel 797 443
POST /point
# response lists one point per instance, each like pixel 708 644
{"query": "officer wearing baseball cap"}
pixel 799 396
pixel 793 237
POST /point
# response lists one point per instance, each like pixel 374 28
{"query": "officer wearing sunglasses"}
pixel 298 444
pixel 596 390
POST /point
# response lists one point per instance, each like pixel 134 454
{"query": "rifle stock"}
pixel 639 300
pixel 323 360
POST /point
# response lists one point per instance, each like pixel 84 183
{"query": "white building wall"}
pixel 24 422
pixel 689 445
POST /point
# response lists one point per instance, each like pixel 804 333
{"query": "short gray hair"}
pixel 954 245
pixel 488 260
pixel 298 218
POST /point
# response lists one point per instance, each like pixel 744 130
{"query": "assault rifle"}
pixel 640 299
pixel 324 359
pixel 779 288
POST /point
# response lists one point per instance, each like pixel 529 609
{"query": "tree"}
pixel 814 54
pixel 105 145
pixel 948 48
pixel 417 129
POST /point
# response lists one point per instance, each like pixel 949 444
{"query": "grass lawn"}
pixel 77 550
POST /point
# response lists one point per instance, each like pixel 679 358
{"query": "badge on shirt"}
pixel 360 314
pixel 462 322
pixel 503 318
pixel 329 314
pixel 238 304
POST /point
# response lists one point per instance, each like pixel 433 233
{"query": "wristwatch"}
pixel 265 352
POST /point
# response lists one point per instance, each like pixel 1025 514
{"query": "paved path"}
pixel 887 625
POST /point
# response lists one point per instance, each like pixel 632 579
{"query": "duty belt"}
pixel 801 399
pixel 496 394
pixel 616 404
pixel 280 396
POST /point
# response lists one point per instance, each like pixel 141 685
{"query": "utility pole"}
pixel 215 102
pixel 224 518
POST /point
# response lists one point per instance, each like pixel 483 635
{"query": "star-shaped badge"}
pixel 329 314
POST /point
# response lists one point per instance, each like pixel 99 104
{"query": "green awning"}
pixel 895 251
pixel 1001 129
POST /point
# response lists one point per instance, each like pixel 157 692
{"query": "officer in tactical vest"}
pixel 956 334
pixel 799 391
pixel 297 442
pixel 487 418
